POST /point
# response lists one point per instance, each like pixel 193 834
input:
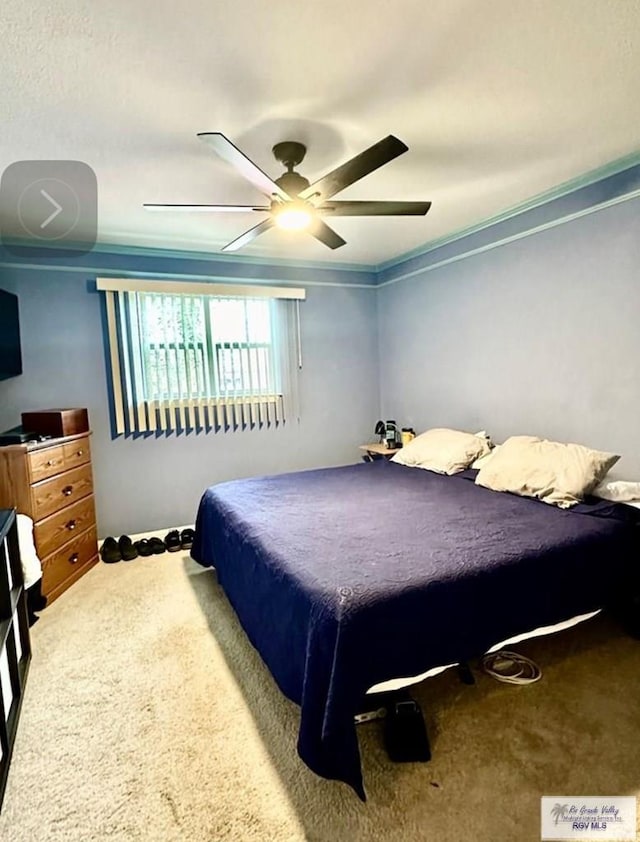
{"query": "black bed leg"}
pixel 626 611
pixel 630 621
pixel 464 673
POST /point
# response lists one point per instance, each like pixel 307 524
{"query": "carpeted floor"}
pixel 149 716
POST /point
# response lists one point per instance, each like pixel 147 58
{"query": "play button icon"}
pixel 48 209
pixel 57 209
pixel 48 202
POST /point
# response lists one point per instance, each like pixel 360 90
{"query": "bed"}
pixel 343 578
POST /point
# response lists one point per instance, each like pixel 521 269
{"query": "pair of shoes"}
pixel 150 546
pixel 179 540
pixel 123 549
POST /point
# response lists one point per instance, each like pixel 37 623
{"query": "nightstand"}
pixel 376 450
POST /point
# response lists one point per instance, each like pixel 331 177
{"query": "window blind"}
pixel 201 356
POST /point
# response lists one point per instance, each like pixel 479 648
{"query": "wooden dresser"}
pixel 51 481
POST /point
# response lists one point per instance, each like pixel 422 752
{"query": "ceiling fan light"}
pixel 293 219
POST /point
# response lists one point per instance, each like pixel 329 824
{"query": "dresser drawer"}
pixel 61 527
pixel 53 494
pixel 45 463
pixel 76 453
pixel 68 559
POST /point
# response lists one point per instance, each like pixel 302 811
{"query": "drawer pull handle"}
pixel 71 525
pixel 49 463
pixel 67 490
pixel 80 453
pixel 73 559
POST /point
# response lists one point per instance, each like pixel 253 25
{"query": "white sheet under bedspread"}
pixel 398 683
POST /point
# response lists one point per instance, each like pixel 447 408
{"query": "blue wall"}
pixel 145 484
pixel 539 336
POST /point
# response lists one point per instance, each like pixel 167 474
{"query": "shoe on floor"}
pixel 144 548
pixel 110 551
pixel 157 545
pixel 172 540
pixel 186 539
pixel 127 549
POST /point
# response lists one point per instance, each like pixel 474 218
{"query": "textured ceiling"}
pixel 497 101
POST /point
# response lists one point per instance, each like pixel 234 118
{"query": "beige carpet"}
pixel 149 716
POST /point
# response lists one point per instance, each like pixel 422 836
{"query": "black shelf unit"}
pixel 14 640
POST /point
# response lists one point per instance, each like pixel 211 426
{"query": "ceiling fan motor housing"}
pixel 291 153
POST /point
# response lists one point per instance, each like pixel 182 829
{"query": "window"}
pixel 184 358
pixel 207 346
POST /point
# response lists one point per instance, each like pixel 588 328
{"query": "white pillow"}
pixel 442 450
pixel 618 491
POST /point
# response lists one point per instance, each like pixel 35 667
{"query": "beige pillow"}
pixel 442 450
pixel 560 474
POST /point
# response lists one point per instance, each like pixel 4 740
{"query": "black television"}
pixel 10 353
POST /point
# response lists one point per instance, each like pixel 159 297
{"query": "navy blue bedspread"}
pixel 345 577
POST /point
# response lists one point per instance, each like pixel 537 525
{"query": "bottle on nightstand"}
pixel 391 435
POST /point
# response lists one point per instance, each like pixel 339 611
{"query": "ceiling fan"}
pixel 294 203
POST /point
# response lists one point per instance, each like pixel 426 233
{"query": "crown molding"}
pixel 510 239
pixel 110 260
pixel 138 274
pixel 566 188
pixel 127 250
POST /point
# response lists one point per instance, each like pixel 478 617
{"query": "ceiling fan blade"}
pixel 252 172
pixel 364 163
pixel 375 208
pixel 321 231
pixel 248 236
pixel 206 208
